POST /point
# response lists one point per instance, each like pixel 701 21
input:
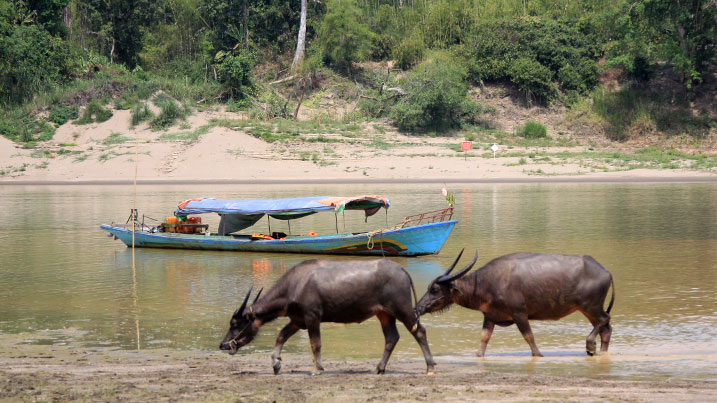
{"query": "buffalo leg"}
pixel 485 334
pixel 605 334
pixel 315 340
pixel 411 322
pixel 420 336
pixel 600 320
pixel 524 326
pixel 390 333
pixel 289 330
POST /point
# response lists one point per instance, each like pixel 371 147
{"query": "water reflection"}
pixel 58 270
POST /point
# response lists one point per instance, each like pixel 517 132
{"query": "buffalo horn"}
pixel 257 295
pixel 243 305
pixel 452 266
pixel 446 278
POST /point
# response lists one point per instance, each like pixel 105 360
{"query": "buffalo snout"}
pixel 231 347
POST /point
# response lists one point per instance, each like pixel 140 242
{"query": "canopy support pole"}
pixel 268 220
pixel 336 216
pixel 289 222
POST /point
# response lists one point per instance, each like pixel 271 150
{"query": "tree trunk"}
pixel 298 104
pixel 67 17
pixel 300 42
pixel 246 26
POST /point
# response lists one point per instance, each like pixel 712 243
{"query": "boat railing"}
pixel 428 217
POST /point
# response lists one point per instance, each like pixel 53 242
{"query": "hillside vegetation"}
pixel 637 73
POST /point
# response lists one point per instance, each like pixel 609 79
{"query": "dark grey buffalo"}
pixel 318 291
pixel 522 286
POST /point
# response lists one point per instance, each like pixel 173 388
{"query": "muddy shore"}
pixel 32 372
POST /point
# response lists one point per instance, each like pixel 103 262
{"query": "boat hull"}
pixel 410 241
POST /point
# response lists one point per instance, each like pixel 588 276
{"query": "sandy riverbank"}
pixel 201 150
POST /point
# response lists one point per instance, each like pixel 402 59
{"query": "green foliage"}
pixel 343 35
pixel 532 130
pixel 447 22
pixel 275 106
pixel 179 40
pixel 383 26
pixel 94 112
pixel 532 77
pixel 409 51
pixel 235 73
pixel 20 127
pixel 638 111
pixel 60 114
pixel 272 25
pixel 116 27
pixel 31 60
pixel 171 111
pixel 141 113
pixel 436 96
pixel 533 53
pixel 115 138
pixel 682 32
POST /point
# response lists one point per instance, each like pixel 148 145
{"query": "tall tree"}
pixel 300 42
pixel 115 27
pixel 682 32
pixel 343 35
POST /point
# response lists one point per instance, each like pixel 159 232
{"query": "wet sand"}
pixel 63 372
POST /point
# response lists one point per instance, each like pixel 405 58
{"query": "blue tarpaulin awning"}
pixel 240 214
pixel 296 206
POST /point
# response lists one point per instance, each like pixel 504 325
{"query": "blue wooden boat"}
pixel 419 234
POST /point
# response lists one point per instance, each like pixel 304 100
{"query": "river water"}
pixel 63 280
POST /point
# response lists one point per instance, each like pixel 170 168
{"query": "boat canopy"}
pixel 240 214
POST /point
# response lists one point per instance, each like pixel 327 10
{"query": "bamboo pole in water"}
pixel 134 221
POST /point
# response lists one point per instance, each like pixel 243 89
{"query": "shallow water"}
pixel 59 270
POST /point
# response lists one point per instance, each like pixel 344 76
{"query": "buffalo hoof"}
pixel 380 371
pixel 590 348
pixel 277 367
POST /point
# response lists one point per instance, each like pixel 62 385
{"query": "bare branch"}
pixel 285 79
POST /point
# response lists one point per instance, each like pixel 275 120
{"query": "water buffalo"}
pixel 318 291
pixel 521 286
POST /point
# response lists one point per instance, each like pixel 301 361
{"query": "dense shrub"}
pixel 235 73
pixel 141 113
pixel 532 77
pixel 409 51
pixel 18 126
pixel 94 112
pixel 436 96
pixel 60 114
pixel 31 60
pixel 383 25
pixel 534 54
pixel 171 111
pixel 343 35
pixel 532 130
